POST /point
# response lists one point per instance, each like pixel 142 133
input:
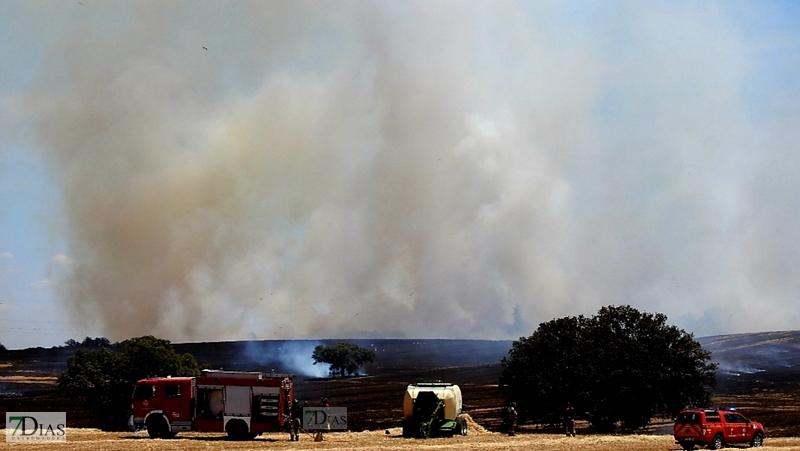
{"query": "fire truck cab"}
pixel 243 404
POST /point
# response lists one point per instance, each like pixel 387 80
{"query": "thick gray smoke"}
pixel 341 169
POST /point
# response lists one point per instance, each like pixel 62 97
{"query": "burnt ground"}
pixel 759 373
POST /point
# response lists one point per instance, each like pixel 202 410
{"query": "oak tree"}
pixel 620 367
pixel 105 377
pixel 344 358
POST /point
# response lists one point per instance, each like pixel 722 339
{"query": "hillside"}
pixel 294 356
pixel 763 360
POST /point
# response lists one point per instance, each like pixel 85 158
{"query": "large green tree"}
pixel 621 366
pixel 105 377
pixel 344 358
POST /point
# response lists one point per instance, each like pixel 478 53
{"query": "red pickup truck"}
pixel 715 428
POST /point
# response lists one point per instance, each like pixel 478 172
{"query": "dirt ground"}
pixel 93 439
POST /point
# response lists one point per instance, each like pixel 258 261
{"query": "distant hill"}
pixel 294 356
pixel 744 359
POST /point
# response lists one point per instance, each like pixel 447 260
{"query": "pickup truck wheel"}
pixel 757 441
pixel 718 443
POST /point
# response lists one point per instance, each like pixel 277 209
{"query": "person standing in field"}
pixel 569 420
pixel 512 418
pixel 296 418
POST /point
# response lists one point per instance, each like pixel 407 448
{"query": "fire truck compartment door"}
pixel 266 391
pixel 237 400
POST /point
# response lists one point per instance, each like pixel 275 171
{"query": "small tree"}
pixel 344 358
pixel 106 377
pixel 2 348
pixel 620 366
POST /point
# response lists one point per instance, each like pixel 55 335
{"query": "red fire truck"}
pixel 243 404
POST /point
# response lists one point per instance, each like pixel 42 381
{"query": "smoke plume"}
pixel 402 169
pixel 291 356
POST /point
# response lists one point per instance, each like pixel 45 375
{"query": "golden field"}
pixel 93 439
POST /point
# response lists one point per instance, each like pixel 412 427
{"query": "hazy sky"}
pixel 287 169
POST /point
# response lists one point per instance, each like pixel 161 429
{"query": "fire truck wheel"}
pixel 757 441
pixel 237 430
pixel 157 427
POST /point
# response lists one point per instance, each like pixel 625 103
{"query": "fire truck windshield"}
pixel 143 392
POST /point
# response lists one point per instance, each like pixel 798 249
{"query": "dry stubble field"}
pixel 93 439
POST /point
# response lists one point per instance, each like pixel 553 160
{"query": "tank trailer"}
pixel 432 409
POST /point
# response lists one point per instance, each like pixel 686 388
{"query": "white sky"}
pixel 231 170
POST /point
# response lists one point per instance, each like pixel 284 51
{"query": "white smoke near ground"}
pixel 403 169
pixel 292 356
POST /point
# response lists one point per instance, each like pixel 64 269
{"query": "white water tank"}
pixel 449 393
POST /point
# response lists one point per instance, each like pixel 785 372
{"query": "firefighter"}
pixel 296 418
pixel 512 418
pixel 569 420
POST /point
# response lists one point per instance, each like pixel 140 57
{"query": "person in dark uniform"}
pixel 296 418
pixel 569 420
pixel 512 418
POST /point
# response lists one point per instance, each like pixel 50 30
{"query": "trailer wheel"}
pixel 461 426
pixel 408 429
pixel 157 427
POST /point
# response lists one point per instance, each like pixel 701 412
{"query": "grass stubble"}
pixel 93 439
